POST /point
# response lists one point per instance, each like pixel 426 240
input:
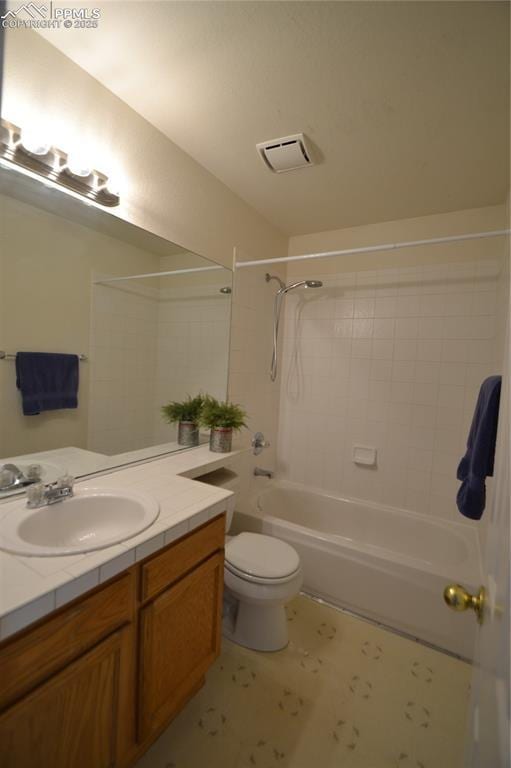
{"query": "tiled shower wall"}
pixel 192 350
pixel 123 347
pixel 249 377
pixel 392 359
pixel 150 346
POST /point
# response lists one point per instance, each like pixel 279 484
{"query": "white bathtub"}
pixel 388 564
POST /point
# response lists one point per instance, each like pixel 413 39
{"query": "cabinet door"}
pixel 71 720
pixel 180 638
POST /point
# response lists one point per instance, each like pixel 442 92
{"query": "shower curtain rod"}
pixel 157 274
pixel 375 248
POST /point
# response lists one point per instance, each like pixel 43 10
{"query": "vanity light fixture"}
pixel 25 150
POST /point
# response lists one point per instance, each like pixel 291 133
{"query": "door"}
pixel 489 721
pixel 71 720
pixel 180 638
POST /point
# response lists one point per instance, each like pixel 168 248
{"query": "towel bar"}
pixel 12 356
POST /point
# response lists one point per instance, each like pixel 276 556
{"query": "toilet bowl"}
pixel 261 575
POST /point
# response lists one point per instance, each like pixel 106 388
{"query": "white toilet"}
pixel 261 575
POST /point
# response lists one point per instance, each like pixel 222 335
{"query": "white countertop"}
pixel 31 587
pixel 80 461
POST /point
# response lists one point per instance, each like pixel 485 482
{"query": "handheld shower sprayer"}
pixel 277 306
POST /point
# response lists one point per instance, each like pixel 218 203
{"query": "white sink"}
pixel 94 518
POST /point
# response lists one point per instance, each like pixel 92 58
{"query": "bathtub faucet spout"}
pixel 260 472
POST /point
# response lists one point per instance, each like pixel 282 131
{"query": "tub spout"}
pixel 260 472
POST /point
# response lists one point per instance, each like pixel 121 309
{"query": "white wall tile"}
pixel 395 361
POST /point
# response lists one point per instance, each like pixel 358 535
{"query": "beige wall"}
pixel 147 341
pixel 47 265
pixel 162 190
pixel 423 227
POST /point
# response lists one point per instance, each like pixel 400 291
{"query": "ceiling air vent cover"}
pixel 285 154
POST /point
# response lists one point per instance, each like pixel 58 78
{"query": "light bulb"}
pixel 78 167
pixel 34 144
pixel 111 187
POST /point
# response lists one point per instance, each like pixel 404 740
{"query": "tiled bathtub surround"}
pixel 391 358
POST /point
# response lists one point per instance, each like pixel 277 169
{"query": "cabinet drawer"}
pixel 181 557
pixel 44 649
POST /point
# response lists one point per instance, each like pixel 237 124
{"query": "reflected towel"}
pixel 477 463
pixel 47 381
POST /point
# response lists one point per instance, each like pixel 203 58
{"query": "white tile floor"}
pixel 344 694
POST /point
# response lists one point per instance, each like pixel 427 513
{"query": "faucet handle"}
pixel 66 481
pixel 35 495
pixel 259 443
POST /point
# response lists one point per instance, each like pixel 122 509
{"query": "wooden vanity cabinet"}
pixel 93 684
pixel 70 720
pixel 179 640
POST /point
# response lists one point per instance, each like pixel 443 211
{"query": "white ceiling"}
pixel 406 102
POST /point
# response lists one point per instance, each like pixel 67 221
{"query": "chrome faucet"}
pixel 260 472
pixel 11 476
pixel 40 495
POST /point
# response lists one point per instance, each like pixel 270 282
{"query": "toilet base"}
pixel 259 627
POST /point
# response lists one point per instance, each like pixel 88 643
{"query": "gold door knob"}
pixel 459 599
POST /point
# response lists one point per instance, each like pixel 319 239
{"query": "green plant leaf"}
pixel 187 410
pixel 222 414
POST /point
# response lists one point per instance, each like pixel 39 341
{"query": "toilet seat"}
pixel 261 559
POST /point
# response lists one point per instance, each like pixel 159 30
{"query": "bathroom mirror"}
pixel 150 320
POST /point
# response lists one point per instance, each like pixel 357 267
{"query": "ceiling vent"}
pixel 285 154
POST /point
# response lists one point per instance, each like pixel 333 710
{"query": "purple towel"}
pixel 477 463
pixel 47 381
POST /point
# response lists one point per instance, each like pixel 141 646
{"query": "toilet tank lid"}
pixel 263 556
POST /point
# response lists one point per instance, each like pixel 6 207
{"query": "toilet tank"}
pixel 224 478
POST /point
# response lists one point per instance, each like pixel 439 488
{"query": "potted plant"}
pixel 222 418
pixel 186 414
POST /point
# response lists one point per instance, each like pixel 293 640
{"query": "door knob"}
pixel 459 599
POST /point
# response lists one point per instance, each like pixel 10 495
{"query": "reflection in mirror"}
pixel 150 319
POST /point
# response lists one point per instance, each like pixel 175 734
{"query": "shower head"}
pixel 226 289
pixel 301 284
